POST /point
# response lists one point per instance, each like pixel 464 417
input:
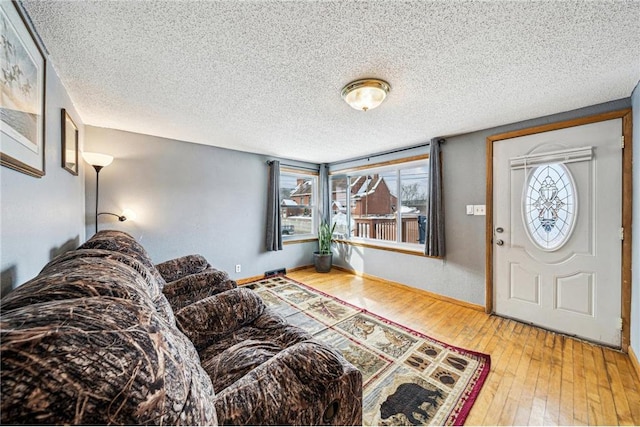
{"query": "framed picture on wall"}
pixel 69 147
pixel 22 92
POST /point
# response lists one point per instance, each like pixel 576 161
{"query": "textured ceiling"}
pixel 265 76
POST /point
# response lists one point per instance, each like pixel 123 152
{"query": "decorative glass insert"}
pixel 549 206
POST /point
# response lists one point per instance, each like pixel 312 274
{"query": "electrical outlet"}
pixel 469 209
pixel 479 210
pixel 238 268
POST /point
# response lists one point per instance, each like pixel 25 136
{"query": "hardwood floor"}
pixel 537 377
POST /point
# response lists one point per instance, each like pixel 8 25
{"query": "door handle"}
pixel 499 242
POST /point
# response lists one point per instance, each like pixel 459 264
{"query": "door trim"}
pixel 625 115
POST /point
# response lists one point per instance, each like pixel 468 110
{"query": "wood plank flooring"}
pixel 537 377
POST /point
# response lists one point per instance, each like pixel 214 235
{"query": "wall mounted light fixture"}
pixel 365 94
pixel 121 218
pixel 98 161
pixel 127 214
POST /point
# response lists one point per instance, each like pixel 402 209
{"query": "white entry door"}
pixel 557 221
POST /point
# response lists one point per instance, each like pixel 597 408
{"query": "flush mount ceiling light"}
pixel 365 94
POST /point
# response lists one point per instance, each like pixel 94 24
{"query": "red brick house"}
pixel 370 196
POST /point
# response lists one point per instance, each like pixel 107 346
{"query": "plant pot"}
pixel 322 262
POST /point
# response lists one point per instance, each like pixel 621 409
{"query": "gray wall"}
pixel 462 274
pixel 189 198
pixel 41 217
pixel 635 256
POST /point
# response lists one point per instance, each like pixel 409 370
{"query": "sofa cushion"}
pixel 122 242
pixel 180 267
pixel 141 269
pixel 269 327
pixel 81 278
pixel 233 363
pixel 99 360
pixel 112 270
pixel 217 315
pixel 195 287
pixel 301 383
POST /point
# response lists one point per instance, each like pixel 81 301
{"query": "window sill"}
pixel 408 249
pixel 303 238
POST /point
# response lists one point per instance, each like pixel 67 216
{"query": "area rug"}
pixel 408 377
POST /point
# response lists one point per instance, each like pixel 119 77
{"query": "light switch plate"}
pixel 469 209
pixel 479 210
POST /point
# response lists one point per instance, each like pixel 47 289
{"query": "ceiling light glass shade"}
pixel 97 159
pixel 365 94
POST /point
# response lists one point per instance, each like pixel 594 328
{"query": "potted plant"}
pixel 324 257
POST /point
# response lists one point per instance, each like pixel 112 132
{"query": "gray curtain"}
pixel 434 236
pixel 325 194
pixel 274 229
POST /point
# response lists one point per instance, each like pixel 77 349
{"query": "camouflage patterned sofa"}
pixel 103 336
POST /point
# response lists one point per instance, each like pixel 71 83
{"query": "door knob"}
pixel 499 242
pixel 499 230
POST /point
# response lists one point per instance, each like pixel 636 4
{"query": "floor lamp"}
pixel 98 161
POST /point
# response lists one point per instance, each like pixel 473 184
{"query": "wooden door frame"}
pixel 625 115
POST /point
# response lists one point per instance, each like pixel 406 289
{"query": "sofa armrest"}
pixel 306 384
pixel 210 318
pixel 178 268
pixel 195 287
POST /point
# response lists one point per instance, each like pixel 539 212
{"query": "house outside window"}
pixel 298 203
pixel 383 205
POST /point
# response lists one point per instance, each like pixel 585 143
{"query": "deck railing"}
pixel 377 228
pixel 384 228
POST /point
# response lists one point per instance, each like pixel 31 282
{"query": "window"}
pixel 339 203
pixel 298 203
pixel 384 205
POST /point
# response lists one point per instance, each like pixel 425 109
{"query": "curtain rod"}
pixel 399 150
pixel 295 166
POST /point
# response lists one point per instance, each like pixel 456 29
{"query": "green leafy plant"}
pixel 325 236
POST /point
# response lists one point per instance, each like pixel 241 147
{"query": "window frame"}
pixel 313 206
pixel 384 167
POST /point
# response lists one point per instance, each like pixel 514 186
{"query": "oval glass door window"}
pixel 549 206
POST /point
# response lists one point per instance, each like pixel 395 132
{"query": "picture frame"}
pixel 69 140
pixel 22 89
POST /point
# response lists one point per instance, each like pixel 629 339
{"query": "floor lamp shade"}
pixel 97 159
